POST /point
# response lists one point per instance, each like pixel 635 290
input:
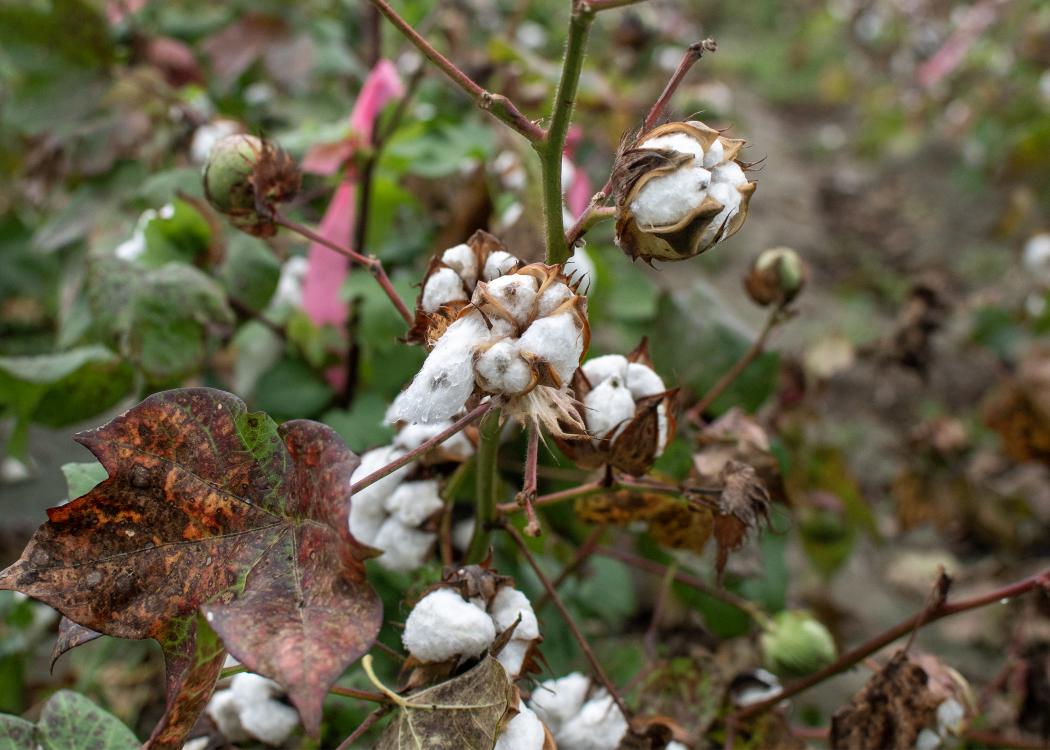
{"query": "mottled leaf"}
pixel 461 714
pixel 72 722
pixel 210 506
pixel 16 733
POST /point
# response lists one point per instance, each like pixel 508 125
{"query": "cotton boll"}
pixel 512 657
pixel 609 407
pixel 556 340
pixel 668 199
pixel 680 142
pixel 498 264
pixel 729 197
pixel 365 523
pixel 523 732
pixel 642 381
pixel 557 701
pixel 405 548
pixel 443 286
pixel 271 722
pixel 501 369
pixel 730 173
pixel 462 260
pixel 443 625
pixel 553 297
pixel 516 292
pixel 715 153
pixel 371 498
pixel 951 716
pixel 927 740
pixel 414 502
pixel 249 688
pixel 446 380
pixel 598 726
pixel 602 368
pixel 223 710
pixel 506 606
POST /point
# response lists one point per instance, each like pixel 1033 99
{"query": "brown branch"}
pixel 527 497
pixel 588 652
pixel 367 724
pixel 497 105
pixel 364 695
pixel 692 55
pixel 899 630
pixel 422 448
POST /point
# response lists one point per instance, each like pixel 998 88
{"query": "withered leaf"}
pixel 70 635
pixel 743 504
pixel 210 507
pixel 464 713
pixel 888 712
pixel 673 522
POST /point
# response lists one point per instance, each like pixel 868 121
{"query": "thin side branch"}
pixel 423 447
pixel 373 264
pixel 367 724
pixel 499 106
pixel 527 497
pixel 692 55
pixel 596 666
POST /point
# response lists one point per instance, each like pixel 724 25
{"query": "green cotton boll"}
pixel 795 644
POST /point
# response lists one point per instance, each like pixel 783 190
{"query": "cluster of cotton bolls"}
pixel 251 709
pixel 458 275
pixel 391 514
pixel 521 338
pixel 616 386
pixel 445 626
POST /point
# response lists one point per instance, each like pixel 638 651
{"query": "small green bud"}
pixel 246 177
pixel 795 644
pixel 777 275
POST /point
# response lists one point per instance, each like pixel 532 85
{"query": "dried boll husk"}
pixel 450 280
pixel 634 446
pixel 776 276
pixel 246 178
pixel 679 191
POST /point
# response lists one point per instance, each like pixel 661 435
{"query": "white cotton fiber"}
pixel 516 292
pixel 680 142
pixel 667 199
pixel 501 369
pixel 715 153
pixel 405 548
pixel 462 260
pixel 443 286
pixel 271 722
pixel 642 381
pixel 602 368
pixel 223 710
pixel 553 297
pixel 506 606
pixel 443 625
pixel 523 732
pixel 556 340
pixel 414 502
pixel 557 701
pixel 370 499
pixel 512 657
pixel 609 408
pixel 498 264
pixel 730 173
pixel 414 435
pixel 598 726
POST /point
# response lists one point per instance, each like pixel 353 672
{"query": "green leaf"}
pixel 63 388
pixel 16 733
pixel 291 389
pixel 250 271
pixel 183 236
pixel 362 425
pixel 72 722
pixel 81 478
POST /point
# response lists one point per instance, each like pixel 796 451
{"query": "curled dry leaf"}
pixel 211 509
pixel 737 437
pixel 743 505
pixel 465 713
pixel 889 711
pixel 70 635
pixel 673 522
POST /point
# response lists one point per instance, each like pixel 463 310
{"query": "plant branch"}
pixel 692 55
pixel 600 5
pixel 695 414
pixel 422 448
pixel 367 724
pixel 596 666
pixel 899 630
pixel 593 214
pixel 572 493
pixel 527 497
pixel 486 470
pixel 553 146
pixel 364 695
pixel 499 106
pixel 694 494
pixel 371 263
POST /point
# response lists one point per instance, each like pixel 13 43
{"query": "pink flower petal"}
pixel 327 269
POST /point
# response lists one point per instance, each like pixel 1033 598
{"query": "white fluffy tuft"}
pixel 443 286
pixel 462 260
pixel 506 606
pixel 609 408
pixel 405 548
pixel 557 701
pixel 556 340
pixel 523 732
pixel 668 199
pixel 443 625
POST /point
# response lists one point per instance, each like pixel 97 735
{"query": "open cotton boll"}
pixel 444 625
pixel 667 199
pixel 602 368
pixel 730 173
pixel 729 197
pixel 223 710
pixel 249 689
pixel 371 498
pixel 679 142
pixel 516 293
pixel 598 726
pixel 642 381
pixel 414 502
pixel 271 722
pixel 446 380
pixel 501 369
pixel 557 701
pixel 443 286
pixel 523 732
pixel 506 606
pixel 556 340
pixel 512 657
pixel 498 264
pixel 716 152
pixel 462 260
pixel 554 296
pixel 609 406
pixel 405 548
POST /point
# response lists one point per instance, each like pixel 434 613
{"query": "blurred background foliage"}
pixel 902 146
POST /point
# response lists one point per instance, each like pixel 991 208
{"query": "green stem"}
pixel 487 486
pixel 551 148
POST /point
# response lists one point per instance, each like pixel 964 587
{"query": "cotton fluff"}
pixel 580 270
pixel 553 297
pixel 512 656
pixel 516 293
pixel 507 606
pixel 1037 257
pixel 672 745
pixel 609 407
pixel 501 369
pixel 556 340
pixel 598 726
pixel 462 260
pixel 366 505
pixel 616 385
pixel 458 447
pixel 668 199
pixel 251 709
pixel 446 380
pixel 498 264
pixel 602 368
pixel 412 503
pixel 523 732
pixel 443 286
pixel 443 625
pixel 405 548
pixel 557 701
